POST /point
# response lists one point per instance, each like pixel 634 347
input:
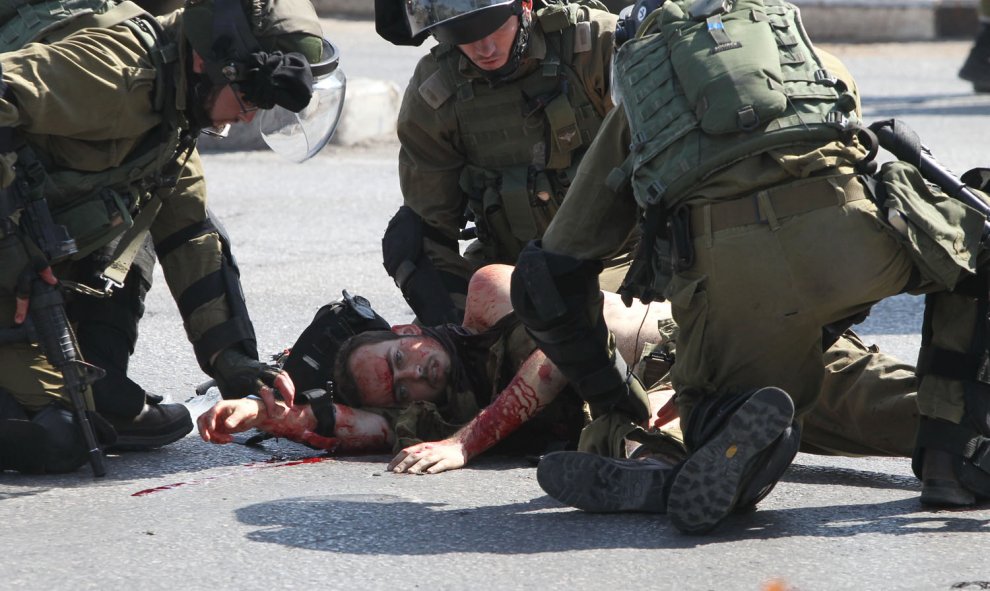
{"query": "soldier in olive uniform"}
pixel 493 125
pixel 736 146
pixel 100 122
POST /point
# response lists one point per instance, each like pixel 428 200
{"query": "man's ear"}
pixel 407 329
pixel 199 66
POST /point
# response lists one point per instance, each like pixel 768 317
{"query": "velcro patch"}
pixel 435 91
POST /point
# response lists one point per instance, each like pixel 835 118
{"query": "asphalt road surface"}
pixel 197 516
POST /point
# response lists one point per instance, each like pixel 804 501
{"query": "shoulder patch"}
pixel 582 37
pixel 434 90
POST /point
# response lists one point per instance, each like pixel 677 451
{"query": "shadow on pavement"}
pixel 948 105
pixel 831 475
pixel 387 524
pixel 188 455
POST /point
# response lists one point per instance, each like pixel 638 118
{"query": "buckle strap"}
pixel 786 200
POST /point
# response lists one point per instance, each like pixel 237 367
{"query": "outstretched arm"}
pixel 535 385
pixel 355 430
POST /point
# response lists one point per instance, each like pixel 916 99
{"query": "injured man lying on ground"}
pixel 440 396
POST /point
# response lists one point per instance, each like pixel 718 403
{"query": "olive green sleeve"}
pixel 85 101
pixel 431 159
pixel 595 222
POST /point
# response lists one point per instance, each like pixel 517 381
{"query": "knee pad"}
pixel 10 408
pixel 65 450
pixel 51 442
pixel 23 446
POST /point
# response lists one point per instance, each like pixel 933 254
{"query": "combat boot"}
pixel 976 68
pixel 741 446
pixel 939 485
pixel 157 424
pixel 605 485
pixel 953 462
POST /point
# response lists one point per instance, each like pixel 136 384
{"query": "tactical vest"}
pixel 516 181
pixel 97 207
pixel 704 88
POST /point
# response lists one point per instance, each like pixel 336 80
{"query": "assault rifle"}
pixel 48 324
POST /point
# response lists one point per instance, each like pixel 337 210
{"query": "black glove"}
pixel 238 375
pixel 278 79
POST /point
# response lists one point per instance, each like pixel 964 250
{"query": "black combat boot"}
pixel 953 463
pixel 601 484
pixel 141 420
pixel 940 487
pixel 156 425
pixel 740 446
pixel 976 68
pixel 605 485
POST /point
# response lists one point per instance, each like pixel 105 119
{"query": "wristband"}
pixel 323 409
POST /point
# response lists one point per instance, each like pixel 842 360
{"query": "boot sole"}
pixel 705 490
pixel 601 485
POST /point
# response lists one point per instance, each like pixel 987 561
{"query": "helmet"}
pixel 274 52
pixel 459 21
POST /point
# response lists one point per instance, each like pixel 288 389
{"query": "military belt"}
pixel 784 201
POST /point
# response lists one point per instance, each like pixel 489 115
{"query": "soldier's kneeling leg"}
pixel 953 459
pixel 107 331
pixel 51 441
pixel 740 445
pixel 558 299
pixel 602 483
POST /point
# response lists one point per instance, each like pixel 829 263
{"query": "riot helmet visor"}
pixel 298 136
pixel 458 21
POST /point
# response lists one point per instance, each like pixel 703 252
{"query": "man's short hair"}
pixel 345 385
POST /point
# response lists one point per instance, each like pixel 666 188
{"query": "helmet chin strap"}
pixel 200 87
pixel 519 47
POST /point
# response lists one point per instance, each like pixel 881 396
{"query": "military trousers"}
pixel 107 331
pixel 752 307
pixel 867 407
